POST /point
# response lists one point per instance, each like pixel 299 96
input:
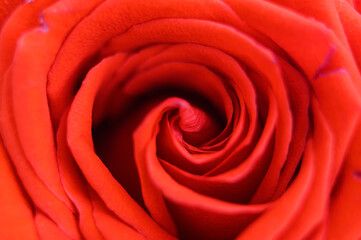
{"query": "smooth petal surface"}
pixel 12 194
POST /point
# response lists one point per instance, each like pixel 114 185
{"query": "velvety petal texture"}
pixel 182 119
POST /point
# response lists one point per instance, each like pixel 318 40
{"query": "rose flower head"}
pixel 180 119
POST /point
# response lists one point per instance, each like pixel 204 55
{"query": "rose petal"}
pixel 344 219
pixel 40 194
pixel 90 35
pixel 350 19
pixel 336 91
pixel 16 216
pixel 239 183
pixel 81 145
pixel 24 18
pixel 74 184
pixel 296 203
pixel 299 96
pixel 48 229
pixel 105 103
pixel 316 204
pixel 6 8
pixel 31 113
pixel 323 11
pixel 306 34
pixel 356 4
pixel 193 213
pixel 110 226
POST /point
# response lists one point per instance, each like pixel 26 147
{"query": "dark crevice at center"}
pixel 296 172
pixel 113 137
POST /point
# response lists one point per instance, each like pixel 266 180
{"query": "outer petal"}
pixel 6 8
pixel 306 33
pixel 293 216
pixel 351 22
pixel 75 185
pixel 110 226
pixel 49 230
pixel 345 211
pixel 323 11
pixel 24 18
pixel 16 213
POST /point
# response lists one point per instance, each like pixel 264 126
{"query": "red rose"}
pixel 181 119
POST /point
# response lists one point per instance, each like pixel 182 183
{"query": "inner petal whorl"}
pixel 197 126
